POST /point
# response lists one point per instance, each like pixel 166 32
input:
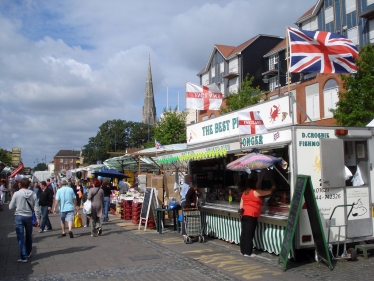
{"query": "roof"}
pixel 230 51
pixel 153 151
pixel 68 153
pixel 281 46
pixel 310 13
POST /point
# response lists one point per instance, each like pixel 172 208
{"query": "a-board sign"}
pixel 304 189
pixel 146 201
pixel 149 202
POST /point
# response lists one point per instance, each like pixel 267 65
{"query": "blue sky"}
pixel 68 66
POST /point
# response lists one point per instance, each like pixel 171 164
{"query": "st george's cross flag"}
pixel 320 51
pixel 250 123
pixel 158 145
pixel 203 97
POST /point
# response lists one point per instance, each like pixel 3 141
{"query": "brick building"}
pixel 66 160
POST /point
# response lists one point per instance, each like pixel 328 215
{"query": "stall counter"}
pixel 221 220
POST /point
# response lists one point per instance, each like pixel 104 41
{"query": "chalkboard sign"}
pixel 304 189
pixel 149 201
pixel 146 201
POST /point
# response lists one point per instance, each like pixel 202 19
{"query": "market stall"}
pixel 215 143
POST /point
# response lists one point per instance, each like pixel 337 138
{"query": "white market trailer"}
pixel 324 152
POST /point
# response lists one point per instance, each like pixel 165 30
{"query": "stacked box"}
pixel 127 209
pixel 136 210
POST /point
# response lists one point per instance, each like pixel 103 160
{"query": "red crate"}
pixel 135 221
pixel 136 204
pixel 127 218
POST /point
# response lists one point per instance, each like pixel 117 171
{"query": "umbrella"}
pixel 255 161
pixel 110 174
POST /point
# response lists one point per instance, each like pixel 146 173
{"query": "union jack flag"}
pixel 158 145
pixel 320 51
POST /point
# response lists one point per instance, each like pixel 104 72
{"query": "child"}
pixel 84 199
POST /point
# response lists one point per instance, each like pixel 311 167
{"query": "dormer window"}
pixel 311 24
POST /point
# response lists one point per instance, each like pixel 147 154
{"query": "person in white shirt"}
pixel 185 187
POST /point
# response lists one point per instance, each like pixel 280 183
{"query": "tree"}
pixel 356 106
pixel 5 157
pixel 171 128
pixel 116 135
pixel 246 96
pixel 40 167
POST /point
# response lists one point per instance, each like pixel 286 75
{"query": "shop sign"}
pixel 312 138
pixel 274 114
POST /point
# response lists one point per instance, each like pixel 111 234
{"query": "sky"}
pixel 67 67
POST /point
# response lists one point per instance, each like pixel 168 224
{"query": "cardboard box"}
pixel 160 195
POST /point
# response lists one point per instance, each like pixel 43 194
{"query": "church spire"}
pixel 149 109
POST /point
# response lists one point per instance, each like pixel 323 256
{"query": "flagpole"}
pixel 290 98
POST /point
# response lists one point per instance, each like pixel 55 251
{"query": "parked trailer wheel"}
pixel 353 254
pixel 189 240
pixel 201 239
pixel 185 239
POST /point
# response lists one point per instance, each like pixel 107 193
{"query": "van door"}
pixel 332 163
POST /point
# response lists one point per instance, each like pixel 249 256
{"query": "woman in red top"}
pixel 251 203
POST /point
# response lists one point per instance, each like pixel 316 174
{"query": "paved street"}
pixel 125 253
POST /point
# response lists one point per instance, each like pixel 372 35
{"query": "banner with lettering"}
pixel 274 114
pixel 203 97
pixel 250 123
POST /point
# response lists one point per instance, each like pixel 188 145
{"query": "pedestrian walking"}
pixel 25 202
pixel 107 193
pixel 65 197
pixel 45 202
pixel 4 192
pixel 96 195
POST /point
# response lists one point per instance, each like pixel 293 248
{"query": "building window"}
pixel 350 6
pixel 371 31
pixel 204 118
pixel 329 14
pixel 330 97
pixel 71 160
pixel 273 60
pixel 312 101
pixel 273 83
pixel 61 160
pixel 311 24
pixel 352 34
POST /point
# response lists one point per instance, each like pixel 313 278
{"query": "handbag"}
pixel 34 219
pixel 77 220
pixel 87 206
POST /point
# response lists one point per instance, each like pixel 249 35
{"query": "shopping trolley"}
pixel 192 223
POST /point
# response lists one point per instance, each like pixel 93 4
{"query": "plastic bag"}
pixel 77 220
pixel 34 220
pixel 173 205
pixel 87 207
